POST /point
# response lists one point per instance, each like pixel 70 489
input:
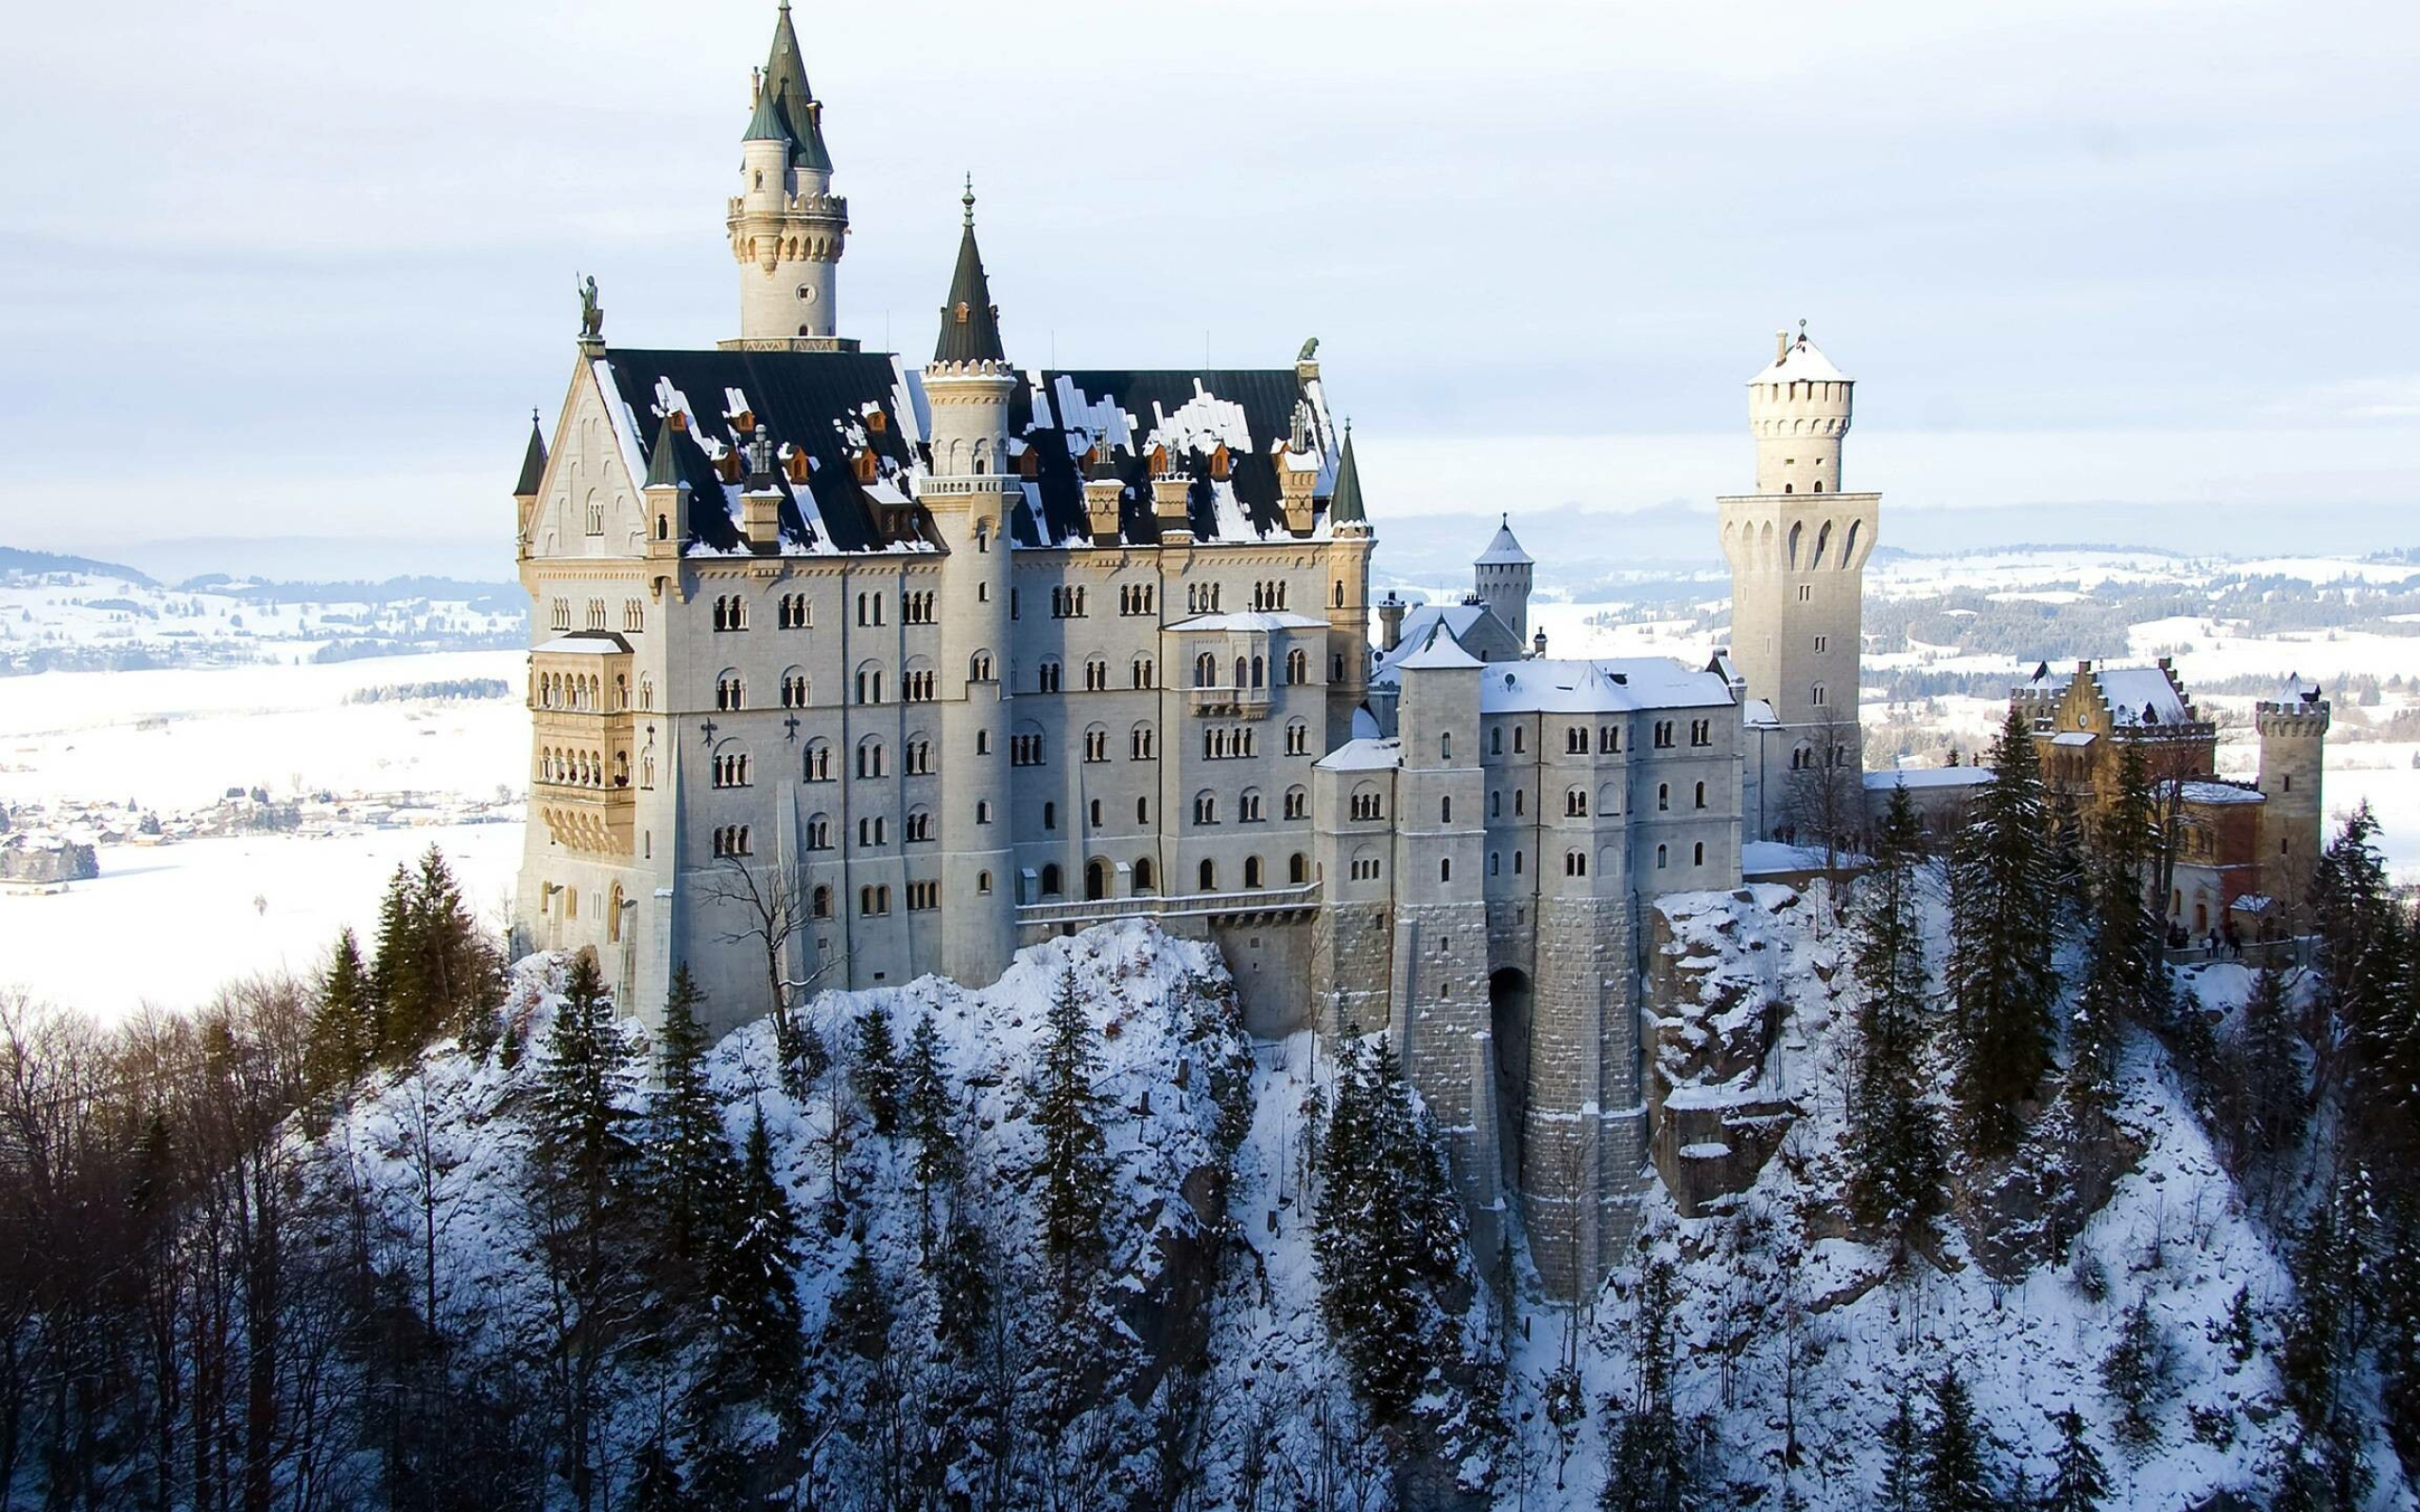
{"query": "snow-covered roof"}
pixel 2193 792
pixel 1764 858
pixel 1612 685
pixel 837 407
pixel 1914 777
pixel 1365 723
pixel 2074 737
pixel 1463 622
pixel 1249 620
pixel 1440 652
pixel 2253 903
pixel 1363 755
pixel 1759 712
pixel 2130 690
pixel 1801 362
pixel 586 643
pixel 1504 551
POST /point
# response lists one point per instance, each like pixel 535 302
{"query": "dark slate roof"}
pixel 970 326
pixel 810 401
pixel 533 462
pixel 1267 396
pixel 1345 509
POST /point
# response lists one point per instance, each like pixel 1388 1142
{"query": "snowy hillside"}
pixel 1796 1342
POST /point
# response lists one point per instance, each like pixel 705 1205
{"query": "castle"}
pixel 845 672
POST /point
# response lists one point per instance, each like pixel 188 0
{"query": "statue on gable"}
pixel 592 314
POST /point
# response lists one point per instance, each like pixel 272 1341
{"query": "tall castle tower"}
pixel 2293 743
pixel 1501 577
pixel 968 493
pixel 1797 548
pixel 787 228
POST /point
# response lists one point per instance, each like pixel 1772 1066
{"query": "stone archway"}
pixel 1095 880
pixel 1509 1009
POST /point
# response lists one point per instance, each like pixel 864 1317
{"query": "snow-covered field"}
pixel 166 925
pixel 179 738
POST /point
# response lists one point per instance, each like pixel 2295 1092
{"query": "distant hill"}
pixel 14 559
pixel 392 589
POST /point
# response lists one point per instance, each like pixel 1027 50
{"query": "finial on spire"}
pixel 968 201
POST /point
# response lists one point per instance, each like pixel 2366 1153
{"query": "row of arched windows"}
pixel 582 768
pixel 582 694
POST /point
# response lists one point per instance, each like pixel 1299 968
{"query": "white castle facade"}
pixel 847 672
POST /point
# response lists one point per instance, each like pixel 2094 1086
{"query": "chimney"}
pixel 1781 345
pixel 1539 640
pixel 1391 612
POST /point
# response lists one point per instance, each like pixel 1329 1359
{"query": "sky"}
pixel 280 282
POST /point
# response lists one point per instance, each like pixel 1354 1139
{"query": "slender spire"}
pixel 533 462
pixel 767 124
pixel 970 321
pixel 664 461
pixel 1344 505
pixel 794 98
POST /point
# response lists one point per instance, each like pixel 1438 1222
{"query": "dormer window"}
pixel 796 464
pixel 877 422
pixel 963 312
pixel 1219 463
pixel 1159 462
pixel 865 465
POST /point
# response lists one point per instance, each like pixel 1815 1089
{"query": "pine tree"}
pixel 344 1026
pixel 755 1294
pixel 2126 975
pixel 583 1091
pixel 1386 1232
pixel 2078 1481
pixel 2268 1061
pixel 690 1164
pixel 2002 902
pixel 925 1107
pixel 962 1288
pixel 873 1069
pixel 1892 1147
pixel 861 1310
pixel 2134 1370
pixel 394 970
pixel 458 967
pixel 1074 1164
pixel 1902 1452
pixel 1953 1478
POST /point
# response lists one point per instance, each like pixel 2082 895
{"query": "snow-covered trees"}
pixel 2125 975
pixel 1952 1474
pixel 690 1167
pixel 1073 1162
pixel 2003 913
pixel 2135 1371
pixel 873 1069
pixel 2079 1479
pixel 1892 1145
pixel 1389 1232
pixel 435 968
pixel 344 1022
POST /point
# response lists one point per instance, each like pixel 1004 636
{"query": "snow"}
pixel 1253 619
pixel 1921 777
pixel 1363 755
pixel 2130 690
pixel 1801 362
pixel 168 925
pixel 1612 685
pixel 1442 653
pixel 2220 793
pixel 1766 857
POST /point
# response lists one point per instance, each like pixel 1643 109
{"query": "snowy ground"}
pixel 174 739
pixel 167 924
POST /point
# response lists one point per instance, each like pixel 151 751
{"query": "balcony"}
pixel 1229 703
pixel 593 821
pixel 1081 912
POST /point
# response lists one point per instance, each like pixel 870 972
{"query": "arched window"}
pixel 1209 875
pixel 1142 874
pixel 1445 809
pixel 1662 857
pixel 1050 880
pixel 1298 869
pixel 1662 796
pixel 1445 868
pixel 1701 798
pixel 1251 871
pixel 1698 858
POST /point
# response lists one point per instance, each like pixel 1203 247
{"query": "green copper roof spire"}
pixel 970 323
pixel 1344 505
pixel 664 461
pixel 533 462
pixel 767 124
pixel 785 83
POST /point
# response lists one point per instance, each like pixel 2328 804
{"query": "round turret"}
pixel 1798 408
